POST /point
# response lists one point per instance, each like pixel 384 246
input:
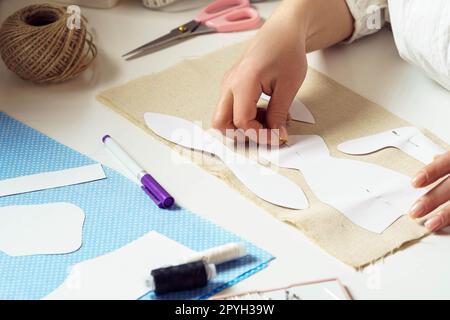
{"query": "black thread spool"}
pixel 186 276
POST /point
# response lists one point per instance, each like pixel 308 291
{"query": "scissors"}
pixel 219 16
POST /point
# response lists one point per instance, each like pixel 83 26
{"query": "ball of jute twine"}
pixel 37 44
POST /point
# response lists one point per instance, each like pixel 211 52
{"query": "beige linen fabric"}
pixel 190 90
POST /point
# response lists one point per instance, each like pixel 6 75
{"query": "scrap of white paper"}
pixel 408 139
pixel 121 274
pixel 370 196
pixel 53 228
pixel 297 110
pixel 263 182
pixel 49 180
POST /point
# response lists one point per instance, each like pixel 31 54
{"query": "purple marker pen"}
pixel 151 187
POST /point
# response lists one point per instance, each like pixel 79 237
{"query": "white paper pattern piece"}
pixel 370 196
pixel 263 182
pixel 408 139
pixel 121 274
pixel 49 180
pixel 298 111
pixel 54 228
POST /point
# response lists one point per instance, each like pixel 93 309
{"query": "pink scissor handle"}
pixel 236 20
pixel 220 7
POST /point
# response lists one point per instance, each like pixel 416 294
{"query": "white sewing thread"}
pixel 219 255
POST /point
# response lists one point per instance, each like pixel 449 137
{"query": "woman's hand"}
pixel 437 196
pixel 275 63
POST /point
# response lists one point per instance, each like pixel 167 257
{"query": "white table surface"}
pixel 70 114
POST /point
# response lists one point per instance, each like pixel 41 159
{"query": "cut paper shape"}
pixel 263 182
pixel 369 195
pixel 53 228
pixel 297 110
pixel 121 274
pixel 408 139
pixel 50 180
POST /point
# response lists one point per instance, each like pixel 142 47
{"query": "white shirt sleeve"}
pixel 422 35
pixel 369 16
pixel 421 31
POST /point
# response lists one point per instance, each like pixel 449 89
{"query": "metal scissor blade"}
pixel 182 31
pixel 159 41
pixel 162 45
pixel 153 49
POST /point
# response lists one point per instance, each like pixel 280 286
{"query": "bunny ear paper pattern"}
pixel 408 139
pixel 369 195
pixel 263 182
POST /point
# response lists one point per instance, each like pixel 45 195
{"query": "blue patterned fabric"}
pixel 117 212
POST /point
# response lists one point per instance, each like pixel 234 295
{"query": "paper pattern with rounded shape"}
pixel 263 182
pixel 408 139
pixel 53 228
pixel 120 274
pixel 369 195
pixel 297 110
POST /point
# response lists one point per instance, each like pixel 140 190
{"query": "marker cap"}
pixel 155 191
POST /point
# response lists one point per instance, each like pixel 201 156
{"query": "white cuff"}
pixel 369 16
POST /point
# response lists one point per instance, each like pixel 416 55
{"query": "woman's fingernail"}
pixel 283 134
pixel 434 223
pixel 419 179
pixel 417 209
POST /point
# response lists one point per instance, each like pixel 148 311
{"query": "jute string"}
pixel 37 44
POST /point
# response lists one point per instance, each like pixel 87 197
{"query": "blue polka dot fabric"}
pixel 117 212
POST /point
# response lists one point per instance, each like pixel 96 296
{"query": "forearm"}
pixel 320 23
